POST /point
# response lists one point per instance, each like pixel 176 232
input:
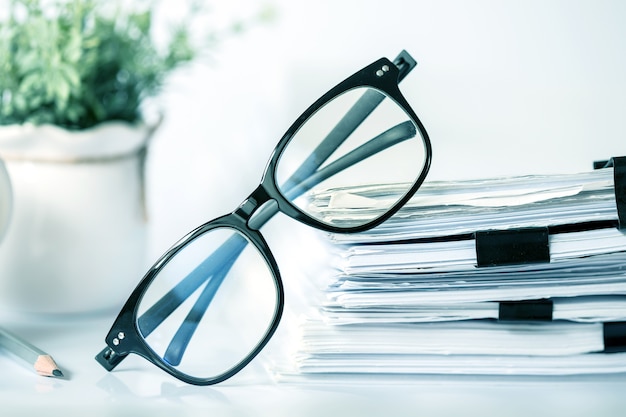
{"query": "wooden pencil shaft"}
pixel 42 362
pixel 19 347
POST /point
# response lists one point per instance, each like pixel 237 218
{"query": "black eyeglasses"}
pixel 212 302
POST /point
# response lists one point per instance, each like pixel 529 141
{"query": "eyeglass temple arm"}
pixel 215 265
pixel 393 136
pixel 177 346
pixel 349 122
pixel 220 260
pixel 181 339
pixel 354 117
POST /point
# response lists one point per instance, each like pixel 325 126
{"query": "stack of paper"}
pixel 523 275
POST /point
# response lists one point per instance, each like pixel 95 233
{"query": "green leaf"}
pixel 77 63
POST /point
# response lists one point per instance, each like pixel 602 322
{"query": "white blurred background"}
pixel 503 87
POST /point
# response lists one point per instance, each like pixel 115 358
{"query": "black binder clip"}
pixel 526 310
pixel 615 337
pixel 619 177
pixel 512 246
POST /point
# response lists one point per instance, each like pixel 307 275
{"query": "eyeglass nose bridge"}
pixel 257 209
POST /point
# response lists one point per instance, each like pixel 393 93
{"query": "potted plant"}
pixel 74 77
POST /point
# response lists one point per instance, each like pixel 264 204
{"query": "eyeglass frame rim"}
pixel 366 77
pixel 269 190
pixel 128 316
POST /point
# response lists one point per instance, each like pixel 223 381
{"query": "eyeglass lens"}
pixel 202 315
pixel 385 148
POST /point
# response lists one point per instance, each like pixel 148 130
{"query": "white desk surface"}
pixel 136 388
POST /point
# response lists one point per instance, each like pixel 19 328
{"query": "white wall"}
pixel 503 87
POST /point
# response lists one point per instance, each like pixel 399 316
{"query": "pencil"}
pixel 42 362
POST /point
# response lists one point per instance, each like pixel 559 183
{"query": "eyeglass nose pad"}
pixel 262 214
pixel 258 208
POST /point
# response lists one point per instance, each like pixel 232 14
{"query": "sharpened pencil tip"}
pixel 57 372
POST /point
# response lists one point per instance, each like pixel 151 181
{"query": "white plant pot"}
pixel 76 239
pixel 6 199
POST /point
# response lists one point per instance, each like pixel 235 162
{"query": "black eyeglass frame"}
pixel 264 202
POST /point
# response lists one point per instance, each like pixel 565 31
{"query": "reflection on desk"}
pixel 138 388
